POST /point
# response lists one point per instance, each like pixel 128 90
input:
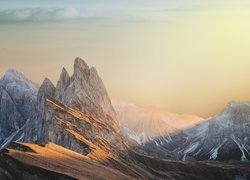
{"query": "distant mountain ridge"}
pixel 224 137
pixel 146 124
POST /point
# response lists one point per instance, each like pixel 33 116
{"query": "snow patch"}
pixel 191 148
pixel 241 146
pixel 20 138
pixel 198 152
pixel 156 144
pixel 214 151
pixel 9 139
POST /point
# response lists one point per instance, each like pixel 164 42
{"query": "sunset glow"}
pixel 181 56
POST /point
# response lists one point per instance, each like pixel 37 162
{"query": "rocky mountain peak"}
pixel 46 89
pixel 34 131
pixel 79 62
pixel 77 106
pixel 239 109
pixel 62 84
pixel 81 68
pixel 47 83
pixel 49 113
pixel 64 79
pixel 13 75
pixel 236 104
pixel 84 91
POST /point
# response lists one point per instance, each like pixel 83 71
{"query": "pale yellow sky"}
pixel 180 60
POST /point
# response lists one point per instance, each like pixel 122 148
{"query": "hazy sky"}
pixel 184 56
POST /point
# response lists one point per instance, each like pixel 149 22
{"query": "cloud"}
pixel 42 14
pixel 182 9
pixel 135 19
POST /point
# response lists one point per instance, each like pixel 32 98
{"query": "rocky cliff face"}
pixel 26 115
pixel 17 99
pixel 34 128
pixel 84 90
pixel 75 115
pixel 83 93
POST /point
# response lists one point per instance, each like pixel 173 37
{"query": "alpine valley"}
pixel 74 130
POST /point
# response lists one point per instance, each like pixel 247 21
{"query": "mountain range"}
pixel 73 130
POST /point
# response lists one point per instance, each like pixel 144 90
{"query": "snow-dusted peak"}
pixel 17 100
pixel 237 110
pixel 14 79
pixel 13 75
pixel 236 104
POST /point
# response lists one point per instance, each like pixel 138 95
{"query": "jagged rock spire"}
pixel 46 89
pixel 62 84
pixel 64 79
pixel 84 91
pixel 35 126
pixel 80 68
pixel 80 64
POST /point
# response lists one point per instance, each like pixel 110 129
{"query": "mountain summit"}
pixel 84 90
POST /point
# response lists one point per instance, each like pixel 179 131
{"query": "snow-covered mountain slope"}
pixel 146 124
pixel 166 135
pixel 224 137
pixel 17 99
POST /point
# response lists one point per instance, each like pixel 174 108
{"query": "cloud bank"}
pixel 183 9
pixel 42 14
